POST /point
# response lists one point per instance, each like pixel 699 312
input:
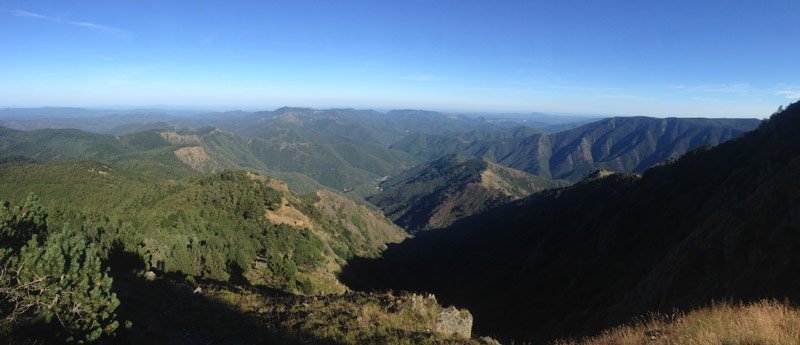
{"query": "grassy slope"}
pixel 760 323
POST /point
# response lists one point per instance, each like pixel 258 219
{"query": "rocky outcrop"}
pixel 452 321
pixel 449 321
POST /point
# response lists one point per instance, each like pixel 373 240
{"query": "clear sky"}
pixel 641 57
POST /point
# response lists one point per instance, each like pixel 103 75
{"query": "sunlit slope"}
pixel 214 226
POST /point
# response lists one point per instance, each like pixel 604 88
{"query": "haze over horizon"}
pixel 684 58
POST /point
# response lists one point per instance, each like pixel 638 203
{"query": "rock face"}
pixel 454 322
pixel 449 322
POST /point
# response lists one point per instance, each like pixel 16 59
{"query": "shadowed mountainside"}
pixel 716 223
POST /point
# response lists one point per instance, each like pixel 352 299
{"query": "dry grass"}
pixel 354 318
pixel 759 323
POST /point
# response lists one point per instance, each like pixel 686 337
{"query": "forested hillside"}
pixel 208 226
pixel 623 144
pixel 339 164
pixel 436 194
pixel 117 256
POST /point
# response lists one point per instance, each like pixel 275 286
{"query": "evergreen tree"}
pixel 52 276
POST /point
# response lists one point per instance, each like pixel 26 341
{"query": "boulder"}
pixel 452 321
pixel 149 276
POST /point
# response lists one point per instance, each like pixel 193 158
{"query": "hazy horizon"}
pixel 191 111
pixel 683 59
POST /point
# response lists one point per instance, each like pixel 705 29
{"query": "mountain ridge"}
pixel 435 194
pixel 619 144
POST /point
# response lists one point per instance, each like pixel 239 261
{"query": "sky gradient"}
pixel 657 58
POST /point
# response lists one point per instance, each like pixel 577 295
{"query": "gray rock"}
pixel 149 276
pixel 418 304
pixel 452 321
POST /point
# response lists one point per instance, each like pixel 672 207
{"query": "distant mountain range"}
pixel 714 224
pixel 363 124
pixel 350 150
pixel 623 144
pixel 435 194
pixel 342 149
pixel 339 164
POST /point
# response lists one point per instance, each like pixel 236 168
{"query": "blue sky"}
pixel 659 58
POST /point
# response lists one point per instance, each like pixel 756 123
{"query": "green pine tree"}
pixel 52 276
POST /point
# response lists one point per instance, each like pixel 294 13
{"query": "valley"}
pixel 253 211
pixel 572 261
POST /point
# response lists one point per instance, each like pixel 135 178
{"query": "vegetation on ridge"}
pixel 213 226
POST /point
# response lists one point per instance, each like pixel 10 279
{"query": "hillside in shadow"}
pixel 168 311
pixel 715 224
